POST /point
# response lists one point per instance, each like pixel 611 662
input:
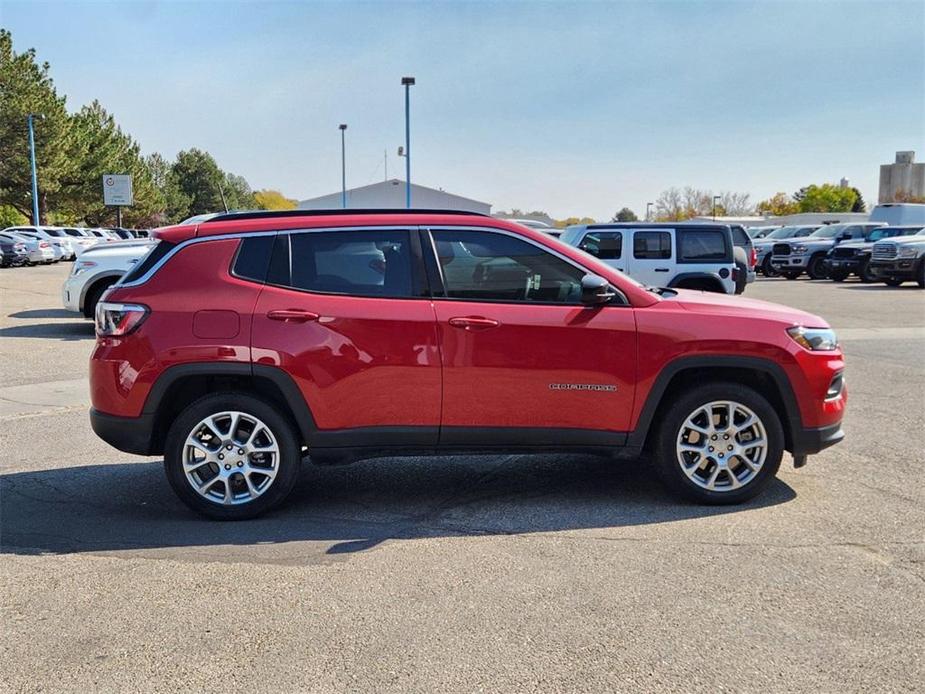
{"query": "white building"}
pixel 391 194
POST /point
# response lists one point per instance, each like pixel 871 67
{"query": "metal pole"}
pixel 407 81
pixel 35 182
pixel 119 216
pixel 343 166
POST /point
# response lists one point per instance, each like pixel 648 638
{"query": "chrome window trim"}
pixel 496 230
pixel 246 234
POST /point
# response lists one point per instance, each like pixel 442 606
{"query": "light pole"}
pixel 715 198
pixel 35 181
pixel 648 207
pixel 343 166
pixel 407 82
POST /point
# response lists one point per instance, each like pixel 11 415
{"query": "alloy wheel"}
pixel 722 446
pixel 231 458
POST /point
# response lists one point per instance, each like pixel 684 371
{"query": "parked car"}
pixel 760 232
pixel 37 251
pixel 96 270
pixel 62 238
pixel 745 258
pixel 899 260
pixel 61 248
pixel 672 254
pixel 81 239
pixel 853 257
pixel 764 245
pixel 14 252
pixel 240 342
pixel 809 256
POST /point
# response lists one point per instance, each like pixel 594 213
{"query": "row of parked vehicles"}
pixel 35 245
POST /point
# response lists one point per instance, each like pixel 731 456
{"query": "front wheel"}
pixel 892 283
pixel 231 456
pixel 865 274
pixel 817 269
pixel 719 444
pixel 838 276
pixel 791 275
pixel 767 269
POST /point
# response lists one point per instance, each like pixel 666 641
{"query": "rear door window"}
pixel 376 263
pixel 606 245
pixel 652 245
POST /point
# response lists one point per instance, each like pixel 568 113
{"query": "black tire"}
pixel 282 429
pixel 791 275
pixel 839 276
pixel 817 269
pixel 865 274
pixel 664 447
pixel 920 280
pixel 892 283
pixel 93 296
pixel 767 269
pixel 741 278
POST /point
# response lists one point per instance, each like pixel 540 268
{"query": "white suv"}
pixel 669 254
pixel 97 269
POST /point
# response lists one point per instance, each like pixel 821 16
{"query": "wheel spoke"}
pixel 691 448
pixel 733 480
pixel 233 430
pixel 711 483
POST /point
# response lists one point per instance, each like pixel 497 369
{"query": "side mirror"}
pixel 596 290
pixel 843 237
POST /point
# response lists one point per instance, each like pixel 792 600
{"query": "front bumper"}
pixel 70 295
pixel 843 264
pixel 901 268
pixel 128 434
pixel 790 262
pixel 809 441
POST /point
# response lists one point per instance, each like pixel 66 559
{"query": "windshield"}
pixel 782 233
pixel 829 232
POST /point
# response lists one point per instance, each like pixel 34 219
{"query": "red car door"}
pixel 346 315
pixel 521 351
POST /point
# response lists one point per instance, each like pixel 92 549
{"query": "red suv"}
pixel 248 341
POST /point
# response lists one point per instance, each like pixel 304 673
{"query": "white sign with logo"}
pixel 117 189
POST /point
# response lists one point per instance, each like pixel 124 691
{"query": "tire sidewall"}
pixel 289 454
pixel 668 467
pixel 816 268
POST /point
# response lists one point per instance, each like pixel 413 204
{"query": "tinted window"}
pixel 606 245
pixel 739 237
pixel 360 263
pixel 654 245
pixel 73 232
pixel 486 266
pixel 701 246
pixel 160 249
pixel 254 257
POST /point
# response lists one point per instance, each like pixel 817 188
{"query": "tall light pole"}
pixel 407 82
pixel 648 207
pixel 35 180
pixel 715 198
pixel 343 165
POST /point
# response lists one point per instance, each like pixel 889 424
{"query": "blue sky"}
pixel 573 108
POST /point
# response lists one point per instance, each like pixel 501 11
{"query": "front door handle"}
pixel 292 315
pixel 661 269
pixel 474 323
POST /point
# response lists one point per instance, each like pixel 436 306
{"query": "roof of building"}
pixel 398 183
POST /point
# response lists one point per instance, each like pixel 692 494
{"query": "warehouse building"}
pixel 391 194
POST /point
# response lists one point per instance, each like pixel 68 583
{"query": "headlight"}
pixel 798 249
pixel 814 339
pixel 908 252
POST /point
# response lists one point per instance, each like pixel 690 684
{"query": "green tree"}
pixel 625 215
pixel 778 205
pixel 825 198
pixel 199 179
pixel 859 204
pixel 238 193
pixel 174 203
pixel 26 87
pixel 100 147
pixel 10 216
pixel 273 200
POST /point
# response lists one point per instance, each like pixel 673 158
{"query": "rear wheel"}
pixel 816 268
pixel 719 444
pixel 231 456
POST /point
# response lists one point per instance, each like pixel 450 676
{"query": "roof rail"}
pixel 270 214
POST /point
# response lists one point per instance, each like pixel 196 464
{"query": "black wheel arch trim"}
pixel 793 425
pixel 684 276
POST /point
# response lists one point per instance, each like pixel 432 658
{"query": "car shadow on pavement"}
pixel 882 287
pixel 44 313
pixel 83 330
pixel 129 506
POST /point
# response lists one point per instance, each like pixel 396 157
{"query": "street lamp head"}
pixel 40 116
pixel 407 81
pixel 342 126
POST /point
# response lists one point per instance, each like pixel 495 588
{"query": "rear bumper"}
pixel 128 434
pixel 809 441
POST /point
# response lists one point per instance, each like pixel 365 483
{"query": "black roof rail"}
pixel 271 214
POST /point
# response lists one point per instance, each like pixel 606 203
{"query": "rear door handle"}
pixel 474 323
pixel 661 269
pixel 292 315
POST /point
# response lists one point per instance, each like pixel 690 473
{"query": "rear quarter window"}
pixel 253 258
pixel 652 245
pixel 160 249
pixel 695 246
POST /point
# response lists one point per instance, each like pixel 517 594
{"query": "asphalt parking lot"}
pixel 464 574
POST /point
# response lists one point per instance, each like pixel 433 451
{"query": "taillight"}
pixel 43 244
pixel 753 260
pixel 115 320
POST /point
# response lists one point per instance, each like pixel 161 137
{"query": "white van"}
pixel 899 213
